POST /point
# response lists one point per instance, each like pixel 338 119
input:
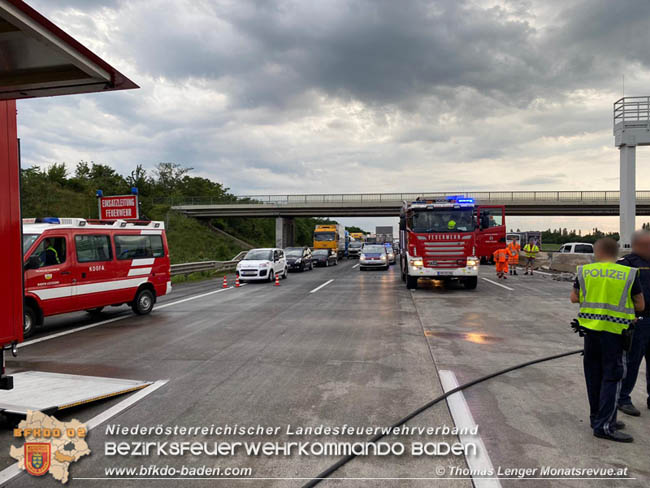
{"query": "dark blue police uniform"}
pixel 641 338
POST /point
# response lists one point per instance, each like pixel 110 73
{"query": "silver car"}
pixel 373 256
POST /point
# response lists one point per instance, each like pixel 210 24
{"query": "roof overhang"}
pixel 38 59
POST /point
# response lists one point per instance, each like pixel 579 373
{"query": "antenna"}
pixel 623 85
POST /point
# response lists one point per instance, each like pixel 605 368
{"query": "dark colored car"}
pixel 354 249
pixel 299 258
pixel 324 257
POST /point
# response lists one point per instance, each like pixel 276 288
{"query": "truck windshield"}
pixel 442 220
pixel 259 255
pixel 28 240
pixel 324 236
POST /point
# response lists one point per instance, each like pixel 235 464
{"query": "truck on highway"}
pixel 445 238
pixel 384 234
pixel 76 264
pixel 358 236
pixel 330 236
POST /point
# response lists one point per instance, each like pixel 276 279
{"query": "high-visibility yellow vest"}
pixel 606 296
pixel 451 224
pixel 531 251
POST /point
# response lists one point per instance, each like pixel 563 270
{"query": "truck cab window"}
pixel 51 251
pixel 93 248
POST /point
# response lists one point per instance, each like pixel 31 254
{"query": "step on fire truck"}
pixel 446 238
pixel 76 264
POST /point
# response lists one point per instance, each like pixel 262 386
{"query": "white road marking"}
pixel 12 471
pixel 542 273
pixel 480 462
pixel 321 286
pixel 115 319
pixel 356 265
pixel 498 284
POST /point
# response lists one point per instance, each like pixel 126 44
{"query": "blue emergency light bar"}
pixel 48 220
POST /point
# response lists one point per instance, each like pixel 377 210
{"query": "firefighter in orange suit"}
pixel 501 258
pixel 514 247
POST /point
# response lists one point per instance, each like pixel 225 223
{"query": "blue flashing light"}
pixel 465 200
pixel 50 220
pixel 99 193
pixel 134 190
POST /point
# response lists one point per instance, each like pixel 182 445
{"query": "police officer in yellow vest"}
pixel 609 294
pixel 530 254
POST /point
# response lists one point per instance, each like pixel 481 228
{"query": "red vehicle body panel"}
pixel 442 250
pixel 490 239
pixel 75 285
pixel 11 285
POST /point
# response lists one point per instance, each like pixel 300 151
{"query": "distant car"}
pixel 263 264
pixel 577 248
pixel 324 257
pixel 390 252
pixel 373 256
pixel 299 258
pixel 354 249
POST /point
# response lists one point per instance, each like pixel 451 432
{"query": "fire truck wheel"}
pixel 143 303
pixel 95 311
pixel 29 321
pixel 411 282
pixel 470 283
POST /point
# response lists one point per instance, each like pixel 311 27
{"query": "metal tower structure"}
pixel 631 129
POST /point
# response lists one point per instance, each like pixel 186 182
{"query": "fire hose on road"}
pixel 343 461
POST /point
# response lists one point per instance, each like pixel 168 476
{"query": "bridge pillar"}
pixel 628 194
pixel 285 231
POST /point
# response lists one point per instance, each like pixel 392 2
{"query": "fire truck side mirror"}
pixel 33 262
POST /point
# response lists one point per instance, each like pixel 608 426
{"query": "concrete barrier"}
pixel 567 263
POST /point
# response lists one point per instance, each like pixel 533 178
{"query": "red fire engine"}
pixel 445 239
pixel 78 264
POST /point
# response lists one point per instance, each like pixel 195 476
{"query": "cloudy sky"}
pixel 355 96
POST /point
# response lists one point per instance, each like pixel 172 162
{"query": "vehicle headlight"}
pixel 417 263
pixel 472 261
pixel 264 265
pixel 363 256
pixel 298 261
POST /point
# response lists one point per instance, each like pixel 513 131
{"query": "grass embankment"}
pixel 551 247
pixel 190 241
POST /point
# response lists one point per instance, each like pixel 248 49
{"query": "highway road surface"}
pixel 337 346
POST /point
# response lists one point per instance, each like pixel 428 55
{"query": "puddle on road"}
pixel 474 337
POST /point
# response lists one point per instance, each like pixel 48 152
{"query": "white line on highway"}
pixel 12 471
pixel 356 265
pixel 321 286
pixel 480 462
pixel 115 319
pixel 543 273
pixel 498 284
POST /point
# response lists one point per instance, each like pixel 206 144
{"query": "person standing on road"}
pixel 501 258
pixel 530 253
pixel 514 247
pixel 608 294
pixel 640 259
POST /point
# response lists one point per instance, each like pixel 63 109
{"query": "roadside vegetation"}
pixel 55 192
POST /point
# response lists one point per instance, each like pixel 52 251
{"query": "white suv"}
pixel 263 264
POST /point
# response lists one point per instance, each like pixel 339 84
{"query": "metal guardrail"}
pixel 486 197
pixel 188 268
pixel 632 109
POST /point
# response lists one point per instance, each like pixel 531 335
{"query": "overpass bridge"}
pixel 285 207
pixel 519 203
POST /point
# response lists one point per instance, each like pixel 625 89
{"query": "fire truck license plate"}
pixel 444 273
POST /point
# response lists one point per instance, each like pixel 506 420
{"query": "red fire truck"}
pixel 446 238
pixel 78 264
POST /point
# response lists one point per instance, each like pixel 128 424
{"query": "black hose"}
pixel 350 457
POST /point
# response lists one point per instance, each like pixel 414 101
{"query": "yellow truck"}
pixel 330 236
pixel 358 236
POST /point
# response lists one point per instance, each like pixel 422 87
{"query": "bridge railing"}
pixel 486 197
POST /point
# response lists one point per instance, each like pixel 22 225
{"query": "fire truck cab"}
pixel 76 264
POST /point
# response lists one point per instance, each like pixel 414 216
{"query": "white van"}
pixel 263 264
pixel 577 248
